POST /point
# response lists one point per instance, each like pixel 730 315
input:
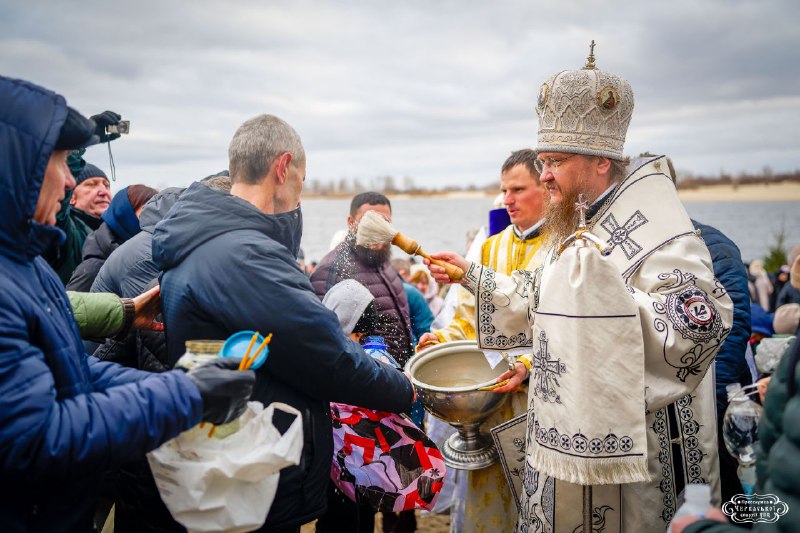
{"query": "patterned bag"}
pixel 384 459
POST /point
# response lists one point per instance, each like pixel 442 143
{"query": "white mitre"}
pixel 585 111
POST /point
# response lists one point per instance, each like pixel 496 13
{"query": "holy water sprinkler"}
pixel 374 229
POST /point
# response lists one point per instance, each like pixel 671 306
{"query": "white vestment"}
pixel 684 316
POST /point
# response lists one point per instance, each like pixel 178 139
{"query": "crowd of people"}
pixel 624 342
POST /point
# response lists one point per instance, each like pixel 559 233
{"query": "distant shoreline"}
pixel 751 192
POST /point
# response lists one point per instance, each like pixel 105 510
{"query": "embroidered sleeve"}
pixel 686 315
pixel 502 308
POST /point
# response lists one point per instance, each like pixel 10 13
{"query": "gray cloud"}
pixel 438 91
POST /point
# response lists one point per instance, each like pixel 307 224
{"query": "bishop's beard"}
pixel 561 220
pixel 368 256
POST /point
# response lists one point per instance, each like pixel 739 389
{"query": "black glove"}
pixel 104 119
pixel 223 388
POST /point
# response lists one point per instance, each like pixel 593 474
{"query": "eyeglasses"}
pixel 549 162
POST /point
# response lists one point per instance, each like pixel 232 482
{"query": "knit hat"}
pixel 89 171
pixel 585 111
pixel 787 318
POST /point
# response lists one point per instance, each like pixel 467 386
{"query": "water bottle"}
pixel 740 433
pixel 696 501
pixel 376 347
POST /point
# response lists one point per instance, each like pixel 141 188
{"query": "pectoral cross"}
pixel 581 206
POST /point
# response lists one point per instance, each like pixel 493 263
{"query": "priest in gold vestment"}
pixel 489 505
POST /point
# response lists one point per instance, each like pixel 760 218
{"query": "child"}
pixel 354 305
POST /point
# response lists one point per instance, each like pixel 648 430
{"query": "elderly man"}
pixel 65 418
pixel 79 216
pixel 92 194
pixel 641 310
pixel 489 504
pixel 239 273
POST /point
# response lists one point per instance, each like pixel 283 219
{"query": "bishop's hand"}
pixel 515 378
pixel 439 273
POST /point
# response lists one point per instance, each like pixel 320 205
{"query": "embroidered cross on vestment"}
pixel 620 235
pixel 546 372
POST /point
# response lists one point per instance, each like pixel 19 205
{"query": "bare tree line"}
pixel 388 184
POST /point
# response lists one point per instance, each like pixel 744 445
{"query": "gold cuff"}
pixel 527 362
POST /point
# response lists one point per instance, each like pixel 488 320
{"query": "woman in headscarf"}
pixel 422 280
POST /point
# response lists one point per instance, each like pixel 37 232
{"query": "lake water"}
pixel 440 224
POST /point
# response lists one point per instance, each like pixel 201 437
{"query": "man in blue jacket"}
pixel 730 364
pixel 229 263
pixel 65 417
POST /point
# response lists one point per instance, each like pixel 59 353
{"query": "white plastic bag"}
pixel 212 484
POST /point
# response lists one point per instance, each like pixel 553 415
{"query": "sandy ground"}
pixel 776 192
pixel 426 523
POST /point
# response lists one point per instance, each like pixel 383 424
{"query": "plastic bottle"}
pixel 696 501
pixel 740 433
pixel 376 347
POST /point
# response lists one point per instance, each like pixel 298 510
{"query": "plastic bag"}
pixel 384 459
pixel 770 351
pixel 228 484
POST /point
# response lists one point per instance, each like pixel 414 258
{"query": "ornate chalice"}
pixel 447 378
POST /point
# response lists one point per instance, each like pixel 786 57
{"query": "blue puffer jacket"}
pixel 229 267
pixel 64 417
pixel 730 364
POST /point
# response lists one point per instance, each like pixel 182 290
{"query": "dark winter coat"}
pixel 129 271
pixel 229 267
pixel 98 246
pixel 789 295
pixel 730 365
pixel 385 284
pixel 64 417
pixel 130 268
pixel 778 460
pixel 65 256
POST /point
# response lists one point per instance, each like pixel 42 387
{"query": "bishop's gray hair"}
pixel 257 143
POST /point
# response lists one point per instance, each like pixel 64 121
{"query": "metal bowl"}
pixel 446 378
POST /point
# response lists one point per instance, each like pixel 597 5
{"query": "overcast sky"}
pixel 440 91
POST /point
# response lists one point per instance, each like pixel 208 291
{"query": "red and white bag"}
pixel 384 459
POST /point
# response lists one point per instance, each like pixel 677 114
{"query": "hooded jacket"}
pixel 130 269
pixel 65 255
pixel 730 364
pixel 229 267
pixel 64 417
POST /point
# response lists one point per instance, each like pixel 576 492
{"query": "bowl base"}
pixel 469 454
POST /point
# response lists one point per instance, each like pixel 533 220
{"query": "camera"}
pixel 122 127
